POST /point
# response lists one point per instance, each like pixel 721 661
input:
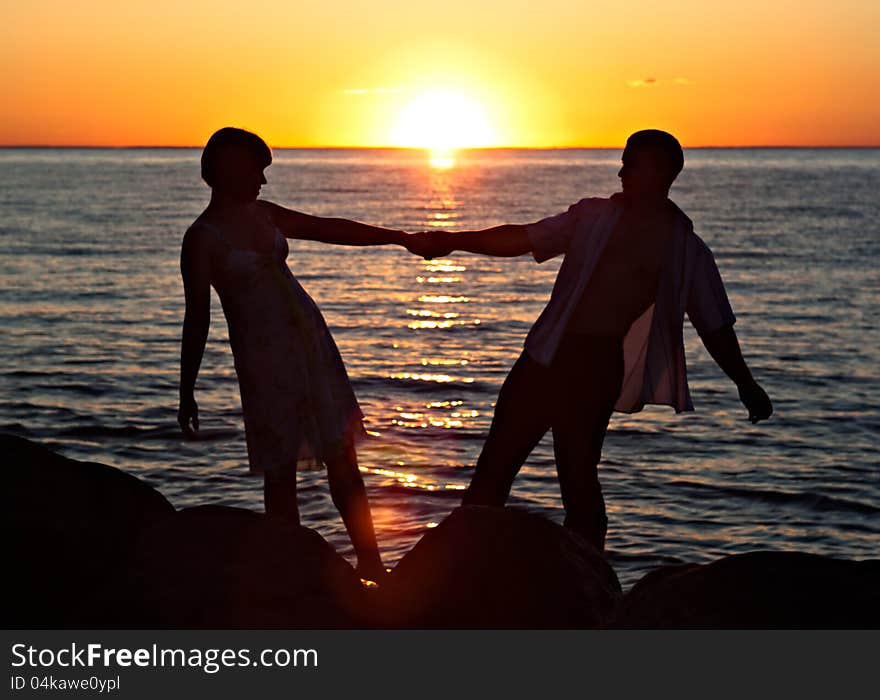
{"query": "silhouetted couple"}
pixel 610 338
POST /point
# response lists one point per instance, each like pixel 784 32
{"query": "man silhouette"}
pixel 610 338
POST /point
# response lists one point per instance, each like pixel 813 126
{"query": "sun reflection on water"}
pixel 442 324
pixel 409 480
pixel 441 158
pixel 443 266
pixel 432 314
pixel 435 414
pixel 430 377
pixel 437 280
pixel 443 299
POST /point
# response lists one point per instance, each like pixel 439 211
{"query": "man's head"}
pixel 652 159
pixel 233 161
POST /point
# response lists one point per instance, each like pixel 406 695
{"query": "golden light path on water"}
pixel 443 281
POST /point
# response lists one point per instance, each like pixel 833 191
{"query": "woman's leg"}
pixel 350 497
pixel 279 495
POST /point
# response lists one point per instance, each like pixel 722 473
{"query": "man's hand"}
pixel 429 244
pixel 188 410
pixel 723 346
pixel 756 400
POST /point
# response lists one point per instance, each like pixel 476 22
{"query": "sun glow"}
pixel 442 159
pixel 441 121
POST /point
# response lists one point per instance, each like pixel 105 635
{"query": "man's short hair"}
pixel 662 142
pixel 231 136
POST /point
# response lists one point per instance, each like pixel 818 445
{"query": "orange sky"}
pixel 332 73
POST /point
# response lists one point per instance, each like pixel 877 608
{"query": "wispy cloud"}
pixel 655 82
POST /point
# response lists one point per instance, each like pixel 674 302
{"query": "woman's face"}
pixel 239 175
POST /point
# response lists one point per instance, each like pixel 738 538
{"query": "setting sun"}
pixel 442 120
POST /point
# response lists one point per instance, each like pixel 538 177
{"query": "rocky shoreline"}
pixel 96 548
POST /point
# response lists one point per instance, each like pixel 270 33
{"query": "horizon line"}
pixel 464 148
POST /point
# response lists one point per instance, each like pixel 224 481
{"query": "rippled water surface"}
pixel 92 306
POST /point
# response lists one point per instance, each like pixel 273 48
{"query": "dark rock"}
pixel 757 590
pixel 486 567
pixel 94 548
pixel 222 567
pixel 71 525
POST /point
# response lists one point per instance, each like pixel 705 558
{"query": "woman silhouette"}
pixel 299 408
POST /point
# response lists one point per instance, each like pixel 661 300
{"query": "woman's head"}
pixel 233 161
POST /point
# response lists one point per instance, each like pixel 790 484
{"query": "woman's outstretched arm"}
pixel 195 269
pixel 295 224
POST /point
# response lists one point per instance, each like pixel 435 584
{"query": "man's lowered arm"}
pixel 723 346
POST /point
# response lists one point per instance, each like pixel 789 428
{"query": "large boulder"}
pixel 222 567
pixel 492 567
pixel 94 548
pixel 757 590
pixel 71 525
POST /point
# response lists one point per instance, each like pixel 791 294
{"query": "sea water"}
pixel 92 304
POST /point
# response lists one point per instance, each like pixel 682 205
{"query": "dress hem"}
pixel 312 463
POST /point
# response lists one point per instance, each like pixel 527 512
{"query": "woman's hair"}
pixel 231 136
pixel 662 142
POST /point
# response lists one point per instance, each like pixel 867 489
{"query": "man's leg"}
pixel 580 420
pixel 521 419
pixel 577 444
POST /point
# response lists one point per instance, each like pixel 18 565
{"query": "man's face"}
pixel 644 173
pixel 238 174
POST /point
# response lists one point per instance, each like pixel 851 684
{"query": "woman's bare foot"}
pixel 372 570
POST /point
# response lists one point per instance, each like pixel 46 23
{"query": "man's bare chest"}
pixel 635 250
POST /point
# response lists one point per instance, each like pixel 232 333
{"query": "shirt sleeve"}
pixel 551 236
pixel 708 307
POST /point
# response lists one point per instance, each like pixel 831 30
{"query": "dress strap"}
pixel 278 235
pixel 217 230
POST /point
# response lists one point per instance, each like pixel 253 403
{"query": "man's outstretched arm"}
pixel 544 239
pixel 723 346
pixel 506 241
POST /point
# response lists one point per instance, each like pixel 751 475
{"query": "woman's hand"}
pixel 188 411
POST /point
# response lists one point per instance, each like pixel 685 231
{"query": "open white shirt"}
pixel 654 364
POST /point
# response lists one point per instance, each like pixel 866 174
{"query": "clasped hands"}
pixel 429 244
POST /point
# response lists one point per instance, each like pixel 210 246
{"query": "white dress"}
pixel 296 398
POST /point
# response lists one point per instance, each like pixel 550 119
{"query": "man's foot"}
pixel 593 532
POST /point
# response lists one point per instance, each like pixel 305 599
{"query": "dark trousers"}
pixel 574 397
